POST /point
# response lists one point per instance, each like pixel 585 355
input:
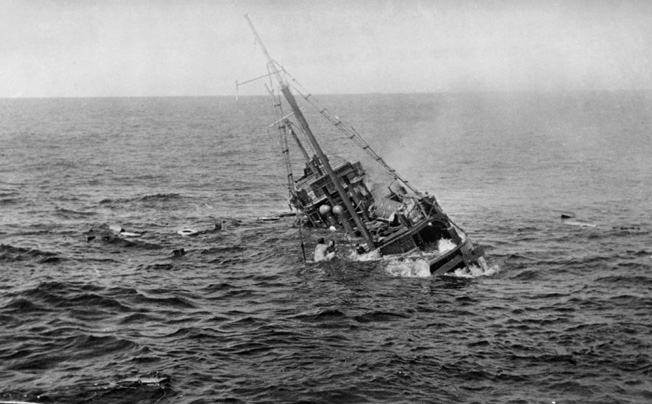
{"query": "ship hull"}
pixel 463 255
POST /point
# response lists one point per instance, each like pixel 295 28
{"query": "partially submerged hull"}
pixel 403 232
pixel 425 237
pixel 463 255
pixel 334 194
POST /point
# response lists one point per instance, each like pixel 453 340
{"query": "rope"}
pixel 278 110
pixel 303 245
pixel 276 168
pixel 305 138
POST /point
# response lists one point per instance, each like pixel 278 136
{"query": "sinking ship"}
pixel 334 193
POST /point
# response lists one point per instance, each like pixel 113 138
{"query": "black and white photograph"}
pixel 362 201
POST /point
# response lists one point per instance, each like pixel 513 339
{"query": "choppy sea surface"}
pixel 563 314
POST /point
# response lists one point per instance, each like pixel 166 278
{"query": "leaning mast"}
pixel 285 89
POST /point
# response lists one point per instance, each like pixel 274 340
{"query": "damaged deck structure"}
pixel 334 194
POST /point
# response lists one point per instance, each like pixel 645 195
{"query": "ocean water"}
pixel 563 314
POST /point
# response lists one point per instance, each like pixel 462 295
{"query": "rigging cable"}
pixel 351 133
pixel 278 110
pixel 305 138
pixel 303 245
pixel 282 125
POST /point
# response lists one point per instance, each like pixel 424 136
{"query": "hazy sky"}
pixel 169 47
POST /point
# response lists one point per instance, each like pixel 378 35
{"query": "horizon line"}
pixel 538 91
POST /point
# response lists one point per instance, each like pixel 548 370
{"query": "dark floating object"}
pixel 287 214
pixel 333 194
pixel 627 228
pixel 180 252
pixel 276 217
pixel 578 223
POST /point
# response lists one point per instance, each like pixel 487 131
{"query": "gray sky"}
pixel 165 48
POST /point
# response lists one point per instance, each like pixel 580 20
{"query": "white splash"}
pixel 405 266
pixel 445 245
pixel 417 265
pixel 475 271
pixel 370 256
pixel 411 268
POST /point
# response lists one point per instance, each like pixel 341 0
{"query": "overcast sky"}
pixel 191 47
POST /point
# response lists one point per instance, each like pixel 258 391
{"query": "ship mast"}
pixel 285 89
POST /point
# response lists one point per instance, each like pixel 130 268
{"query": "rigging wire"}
pixel 350 132
pixel 282 132
pixel 282 123
pixel 277 110
pixel 277 173
pixel 300 225
pixel 305 138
